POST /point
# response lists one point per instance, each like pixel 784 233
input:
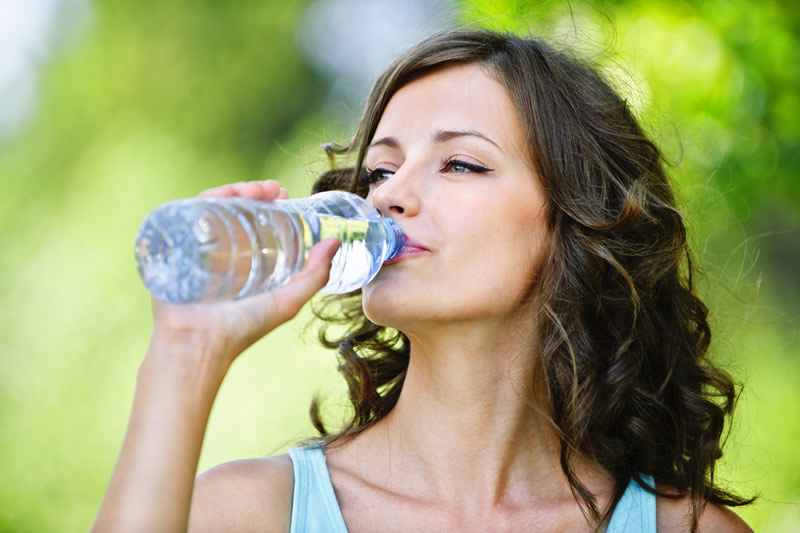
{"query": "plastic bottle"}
pixel 227 248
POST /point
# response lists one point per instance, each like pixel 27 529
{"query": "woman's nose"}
pixel 396 195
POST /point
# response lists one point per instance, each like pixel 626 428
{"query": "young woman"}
pixel 533 360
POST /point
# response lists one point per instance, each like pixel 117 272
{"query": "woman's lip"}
pixel 410 248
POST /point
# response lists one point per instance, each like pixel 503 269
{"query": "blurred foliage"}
pixel 159 101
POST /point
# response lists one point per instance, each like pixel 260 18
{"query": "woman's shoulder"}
pixel 248 494
pixel 674 515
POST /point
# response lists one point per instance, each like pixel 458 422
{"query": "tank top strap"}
pixel 635 512
pixel 315 509
pixel 314 505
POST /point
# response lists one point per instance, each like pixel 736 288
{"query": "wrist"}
pixel 190 363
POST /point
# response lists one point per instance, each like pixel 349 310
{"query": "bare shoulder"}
pixel 245 495
pixel 675 516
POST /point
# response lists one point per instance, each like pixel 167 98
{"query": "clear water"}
pixel 206 249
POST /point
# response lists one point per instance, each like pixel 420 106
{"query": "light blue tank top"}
pixel 315 509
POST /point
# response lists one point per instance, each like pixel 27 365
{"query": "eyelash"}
pixel 372 175
pixel 472 167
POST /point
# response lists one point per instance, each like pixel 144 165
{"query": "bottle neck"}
pixel 395 236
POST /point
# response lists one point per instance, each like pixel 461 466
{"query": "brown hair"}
pixel 623 335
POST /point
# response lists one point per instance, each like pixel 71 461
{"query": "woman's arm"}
pixel 244 495
pixel 151 486
pixel 191 349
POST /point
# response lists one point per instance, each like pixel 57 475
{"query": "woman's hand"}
pixel 227 328
pixel 190 351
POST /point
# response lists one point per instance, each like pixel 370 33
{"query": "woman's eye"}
pixel 461 167
pixel 378 174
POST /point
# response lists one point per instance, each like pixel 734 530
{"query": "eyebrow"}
pixel 440 136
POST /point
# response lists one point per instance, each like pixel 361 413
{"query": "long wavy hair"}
pixel 623 336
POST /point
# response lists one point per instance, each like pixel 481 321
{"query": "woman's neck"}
pixel 464 430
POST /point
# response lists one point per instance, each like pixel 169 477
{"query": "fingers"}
pixel 314 275
pixel 319 259
pixel 283 303
pixel 235 325
pixel 257 190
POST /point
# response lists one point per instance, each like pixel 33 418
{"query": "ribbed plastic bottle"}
pixel 229 248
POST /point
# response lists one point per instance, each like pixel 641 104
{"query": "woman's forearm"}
pixel 151 486
pixel 192 347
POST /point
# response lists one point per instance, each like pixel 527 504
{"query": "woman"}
pixel 532 360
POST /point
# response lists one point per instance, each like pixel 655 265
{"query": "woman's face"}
pixel 449 162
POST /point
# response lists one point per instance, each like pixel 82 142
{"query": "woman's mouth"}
pixel 410 248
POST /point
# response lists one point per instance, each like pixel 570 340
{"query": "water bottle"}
pixel 228 248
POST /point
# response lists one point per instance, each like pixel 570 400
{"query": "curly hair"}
pixel 623 336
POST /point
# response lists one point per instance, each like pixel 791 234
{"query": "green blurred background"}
pixel 108 109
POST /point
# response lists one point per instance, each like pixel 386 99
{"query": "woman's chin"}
pixel 389 308
pixel 383 313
